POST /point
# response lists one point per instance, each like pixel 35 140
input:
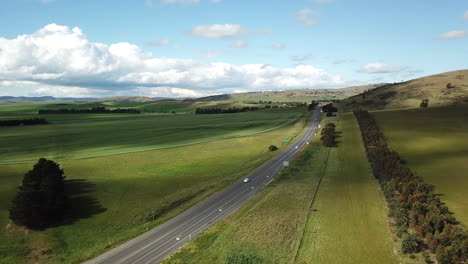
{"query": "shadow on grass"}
pixel 81 202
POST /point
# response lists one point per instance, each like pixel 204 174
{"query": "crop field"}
pixel 277 225
pixel 192 156
pixel 433 143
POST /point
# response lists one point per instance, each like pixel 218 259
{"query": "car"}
pixel 246 179
pixel 297 146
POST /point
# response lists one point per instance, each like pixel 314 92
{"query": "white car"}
pixel 297 146
pixel 246 179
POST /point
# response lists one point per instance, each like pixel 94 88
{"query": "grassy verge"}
pixel 350 224
pixel 277 226
pixel 432 142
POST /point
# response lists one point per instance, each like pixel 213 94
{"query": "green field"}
pixel 434 144
pixel 115 192
pixel 349 226
pixel 91 135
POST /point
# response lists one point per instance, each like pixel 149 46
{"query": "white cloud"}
pixel 239 44
pixel 59 60
pixel 455 34
pixel 278 46
pixel 218 31
pixel 377 67
pixel 465 16
pixel 160 43
pixel 306 17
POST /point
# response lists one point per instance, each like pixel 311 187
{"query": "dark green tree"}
pixel 40 200
pixel 272 148
pixel 410 244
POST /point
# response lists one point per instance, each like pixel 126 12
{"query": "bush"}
pixel 410 244
pixel 272 148
pixel 450 86
pixel 424 103
pixel 40 200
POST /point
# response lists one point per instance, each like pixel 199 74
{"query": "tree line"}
pixel 26 122
pixel 229 110
pixel 94 110
pixel 422 220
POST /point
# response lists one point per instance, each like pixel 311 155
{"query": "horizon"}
pixel 199 48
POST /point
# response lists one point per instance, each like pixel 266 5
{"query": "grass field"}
pixel 433 143
pixel 114 193
pixel 91 135
pixel 350 225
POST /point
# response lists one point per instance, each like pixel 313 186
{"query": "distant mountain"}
pixel 300 95
pixel 26 99
pixel 440 89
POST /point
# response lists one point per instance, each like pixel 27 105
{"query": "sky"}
pixel 191 48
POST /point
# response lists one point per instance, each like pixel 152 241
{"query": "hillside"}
pixel 410 94
pixel 302 95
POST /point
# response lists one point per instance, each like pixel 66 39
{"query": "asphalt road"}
pixel 158 243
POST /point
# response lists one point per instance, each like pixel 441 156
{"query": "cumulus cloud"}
pixel 306 17
pixel 455 34
pixel 59 59
pixel 377 67
pixel 218 31
pixel 239 44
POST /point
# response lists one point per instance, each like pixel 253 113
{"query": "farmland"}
pixel 276 226
pixel 140 163
pixel 431 141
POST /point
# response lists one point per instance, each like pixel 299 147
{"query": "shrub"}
pixel 272 148
pixel 450 86
pixel 410 244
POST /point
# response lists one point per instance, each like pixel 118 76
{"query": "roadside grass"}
pixel 277 226
pixel 269 226
pixel 350 224
pixel 434 144
pixel 84 136
pixel 118 191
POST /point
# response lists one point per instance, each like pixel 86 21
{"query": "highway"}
pixel 160 242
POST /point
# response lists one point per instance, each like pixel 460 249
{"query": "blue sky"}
pixel 194 48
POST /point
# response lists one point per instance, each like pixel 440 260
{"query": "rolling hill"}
pixel 300 95
pixel 440 89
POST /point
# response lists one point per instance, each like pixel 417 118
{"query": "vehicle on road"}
pixel 297 146
pixel 246 179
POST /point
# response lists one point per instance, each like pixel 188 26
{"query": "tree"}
pixel 424 103
pixel 40 200
pixel 272 148
pixel 410 244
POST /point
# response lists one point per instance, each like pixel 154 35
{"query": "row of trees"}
pixel 94 110
pixel 20 122
pixel 328 137
pixel 229 110
pixel 422 220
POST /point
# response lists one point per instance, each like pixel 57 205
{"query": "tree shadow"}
pixel 81 203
